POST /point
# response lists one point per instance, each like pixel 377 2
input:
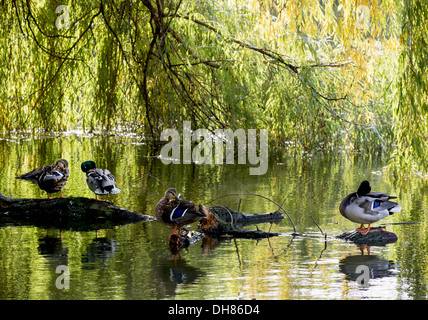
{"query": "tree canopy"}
pixel 320 75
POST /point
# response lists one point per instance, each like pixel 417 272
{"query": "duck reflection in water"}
pixel 378 267
pixel 172 272
pixel 53 250
pixel 99 252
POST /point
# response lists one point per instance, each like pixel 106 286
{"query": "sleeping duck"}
pixel 100 181
pixel 50 178
pixel 366 208
pixel 173 211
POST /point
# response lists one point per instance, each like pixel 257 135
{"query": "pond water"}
pixel 133 261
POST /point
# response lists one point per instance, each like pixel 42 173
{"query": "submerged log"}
pixel 222 222
pixel 71 212
pixel 376 236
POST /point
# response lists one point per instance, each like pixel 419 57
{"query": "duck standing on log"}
pixel 366 208
pixel 50 178
pixel 173 211
pixel 100 181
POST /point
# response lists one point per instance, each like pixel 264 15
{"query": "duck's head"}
pixel 88 165
pixel 364 188
pixel 62 163
pixel 171 194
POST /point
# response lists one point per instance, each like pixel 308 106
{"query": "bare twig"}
pixel 306 214
pixel 330 65
pixel 292 191
pixel 146 174
pixel 242 185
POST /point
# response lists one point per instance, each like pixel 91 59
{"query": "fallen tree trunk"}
pixel 72 212
pixel 79 213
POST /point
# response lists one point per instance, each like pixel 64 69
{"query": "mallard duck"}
pixel 50 178
pixel 100 181
pixel 173 211
pixel 366 208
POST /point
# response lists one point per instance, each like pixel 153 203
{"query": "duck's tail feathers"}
pixel 115 190
pixel 396 208
pixel 100 191
pixel 34 174
pixel 107 190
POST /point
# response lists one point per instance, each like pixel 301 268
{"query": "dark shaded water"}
pixel 133 261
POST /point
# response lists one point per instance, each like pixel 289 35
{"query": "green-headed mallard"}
pixel 100 181
pixel 173 211
pixel 366 208
pixel 50 178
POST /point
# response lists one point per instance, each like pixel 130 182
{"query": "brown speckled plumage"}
pixel 50 178
pixel 176 212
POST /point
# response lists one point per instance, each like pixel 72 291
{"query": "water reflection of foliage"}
pixel 131 270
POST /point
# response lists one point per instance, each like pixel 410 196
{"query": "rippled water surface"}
pixel 133 261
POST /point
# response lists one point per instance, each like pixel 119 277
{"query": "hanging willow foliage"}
pixel 319 74
pixel 411 104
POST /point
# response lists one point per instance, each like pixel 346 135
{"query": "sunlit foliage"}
pixel 411 104
pixel 321 75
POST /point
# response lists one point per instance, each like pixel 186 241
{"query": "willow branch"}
pixel 277 57
pixel 43 89
pixel 192 53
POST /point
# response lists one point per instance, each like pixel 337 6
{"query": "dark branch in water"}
pixel 306 214
pixel 257 195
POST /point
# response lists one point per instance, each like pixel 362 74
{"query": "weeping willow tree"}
pixel 321 75
pixel 411 104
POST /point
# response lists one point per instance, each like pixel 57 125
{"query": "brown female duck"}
pixel 173 211
pixel 50 178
